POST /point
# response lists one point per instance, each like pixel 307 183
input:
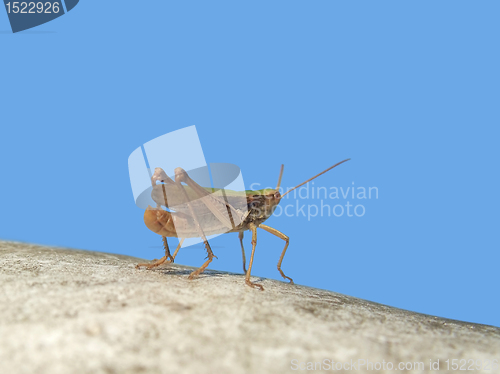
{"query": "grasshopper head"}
pixel 262 203
pixel 273 197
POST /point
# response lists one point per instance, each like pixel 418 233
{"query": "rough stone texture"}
pixel 84 312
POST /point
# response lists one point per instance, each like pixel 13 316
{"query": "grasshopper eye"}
pixel 253 205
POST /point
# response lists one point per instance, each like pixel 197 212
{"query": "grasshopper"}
pixel 198 213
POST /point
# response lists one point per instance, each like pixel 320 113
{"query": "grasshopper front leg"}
pixel 280 235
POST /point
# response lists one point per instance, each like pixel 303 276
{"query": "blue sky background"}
pixel 409 90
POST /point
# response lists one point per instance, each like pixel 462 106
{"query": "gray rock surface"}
pixel 70 311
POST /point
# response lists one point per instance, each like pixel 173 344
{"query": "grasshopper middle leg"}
pixel 181 176
pixel 280 235
pixel 240 236
pixel 254 244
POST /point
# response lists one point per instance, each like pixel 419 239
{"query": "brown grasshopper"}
pixel 198 213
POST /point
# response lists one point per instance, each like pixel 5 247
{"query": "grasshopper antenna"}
pixel 310 179
pixel 279 179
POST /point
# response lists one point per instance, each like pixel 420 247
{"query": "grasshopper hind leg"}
pixel 167 258
pixel 210 257
pixel 182 176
